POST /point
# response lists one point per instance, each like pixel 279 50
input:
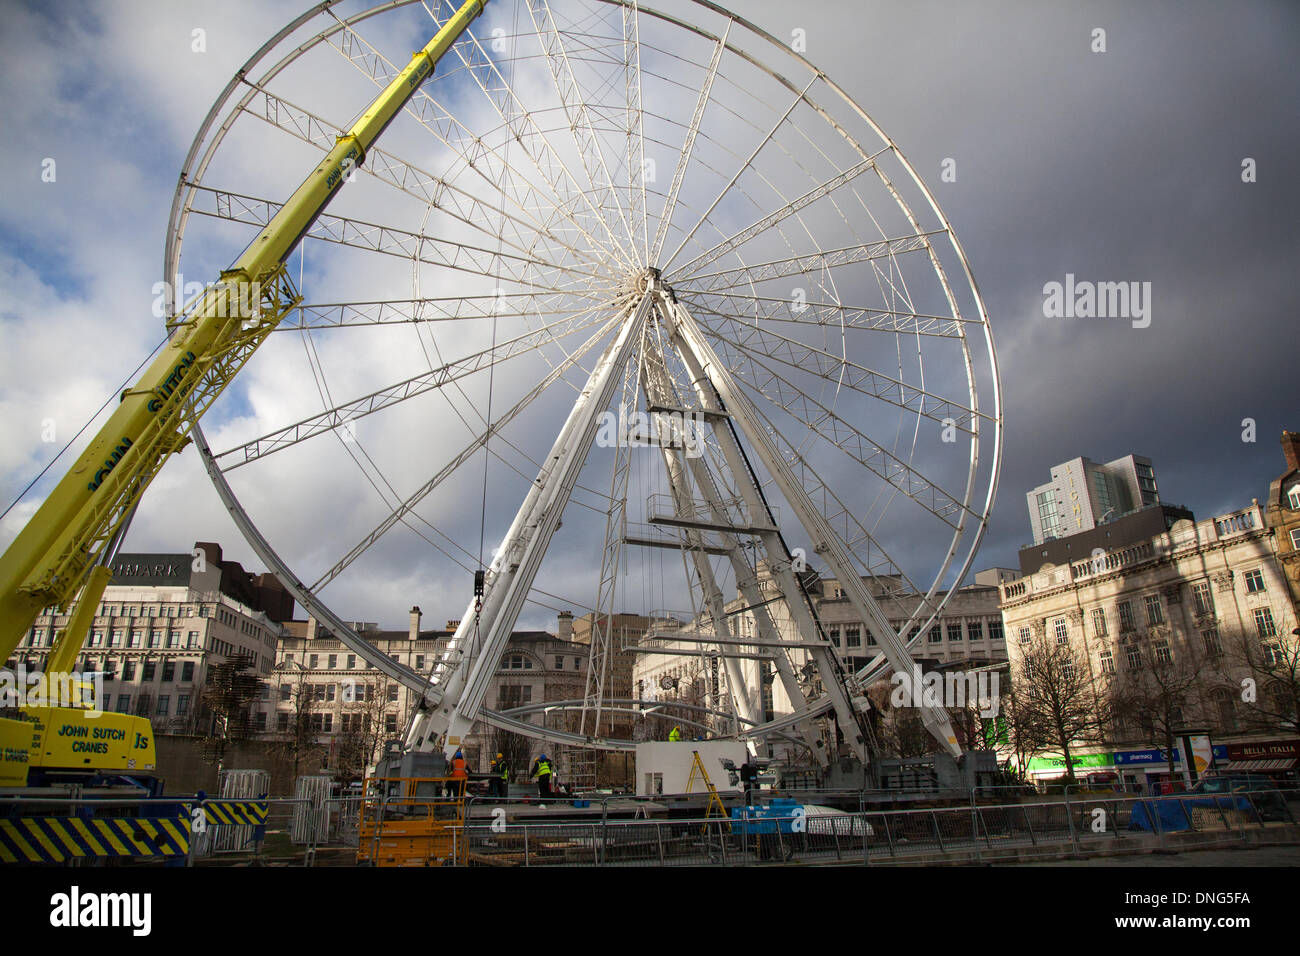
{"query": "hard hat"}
pixel 499 755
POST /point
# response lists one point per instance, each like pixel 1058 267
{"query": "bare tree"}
pixel 228 698
pixel 1158 694
pixel 1061 702
pixel 1264 674
pixel 362 729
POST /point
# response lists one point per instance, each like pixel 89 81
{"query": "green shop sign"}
pixel 1084 760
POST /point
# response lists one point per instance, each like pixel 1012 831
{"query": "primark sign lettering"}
pixel 153 569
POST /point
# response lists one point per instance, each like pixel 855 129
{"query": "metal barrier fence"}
pixel 976 832
pixel 328 834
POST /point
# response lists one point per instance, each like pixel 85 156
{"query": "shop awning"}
pixel 1257 766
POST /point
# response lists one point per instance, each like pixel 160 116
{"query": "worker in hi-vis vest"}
pixel 500 780
pixel 542 771
pixel 459 774
pixel 675 734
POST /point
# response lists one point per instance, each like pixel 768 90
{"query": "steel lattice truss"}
pixel 599 217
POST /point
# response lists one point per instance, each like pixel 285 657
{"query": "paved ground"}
pixel 1244 856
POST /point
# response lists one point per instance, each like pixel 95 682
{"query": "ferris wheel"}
pixel 631 308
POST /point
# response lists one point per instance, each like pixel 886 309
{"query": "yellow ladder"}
pixel 715 802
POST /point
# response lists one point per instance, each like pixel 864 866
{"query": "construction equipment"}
pixel 412 821
pixel 66 546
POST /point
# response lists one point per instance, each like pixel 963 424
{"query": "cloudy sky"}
pixel 1122 165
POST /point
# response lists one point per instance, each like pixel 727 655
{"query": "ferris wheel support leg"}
pixel 823 538
pixel 745 580
pixel 747 704
pixel 481 637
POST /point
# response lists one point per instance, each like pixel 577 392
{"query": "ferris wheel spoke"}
pixel 636 160
pixel 776 217
pixel 755 341
pixel 849 439
pixel 812 262
pixel 340 315
pixel 429 113
pixel 585 138
pixel 341 415
pixel 688 144
pixel 383 166
pixel 748 163
pixel 478 441
pixel 387 240
pixel 747 307
pixel 865 548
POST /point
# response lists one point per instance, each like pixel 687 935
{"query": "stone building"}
pixel 164 621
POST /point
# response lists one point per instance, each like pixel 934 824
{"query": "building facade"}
pixel 1210 595
pixel 1282 512
pixel 1084 494
pixel 326 698
pixel 164 622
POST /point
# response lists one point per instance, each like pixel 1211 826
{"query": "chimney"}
pixel 416 614
pixel 311 628
pixel 452 624
pixel 564 626
pixel 1291 450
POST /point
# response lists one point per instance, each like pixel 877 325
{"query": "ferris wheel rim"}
pixel 188 183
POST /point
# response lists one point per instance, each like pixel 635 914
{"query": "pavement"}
pixel 1233 856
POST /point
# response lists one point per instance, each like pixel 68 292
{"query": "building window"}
pixel 1133 658
pixel 936 634
pixel 128 670
pixel 96 638
pixel 833 633
pixel 334 661
pixel 1026 635
pixel 164 705
pixel 155 638
pixel 392 693
pixel 187 671
pixel 1155 615
pixel 1126 615
pixel 173 638
pixel 1264 622
pixel 1295 539
pixel 1213 647
pixel 853 636
pixel 312 661
pixel 149 670
pixel 1069 671
pixel 136 637
pixel 419 662
pixel 1098 622
pixel 1062 633
pixel 1163 654
pixel 1201 595
pixel 1107 662
pixel 182 704
pixel 352 661
pixel 1225 709
pixel 282 721
pixel 559 663
pixel 115 639
pixel 124 703
pixel 1254 580
pixel 284 691
pixel 390 723
pixel 260 720
pixel 193 639
pixel 954 632
pixel 1273 655
pixel 1293 497
pixel 995 630
pixel 975 630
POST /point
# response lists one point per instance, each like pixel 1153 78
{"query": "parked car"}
pixel 1262 792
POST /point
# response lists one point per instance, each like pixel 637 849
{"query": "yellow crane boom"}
pixel 50 559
